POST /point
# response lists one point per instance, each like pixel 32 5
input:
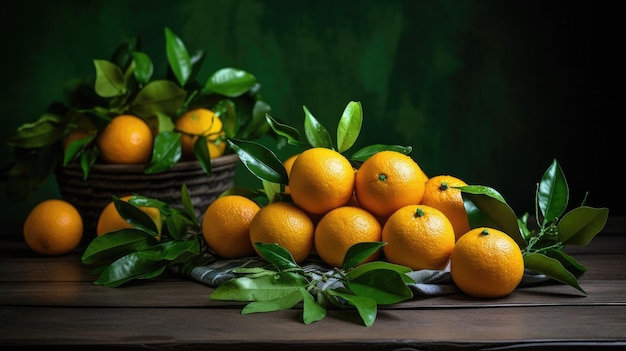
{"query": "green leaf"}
pixel 188 206
pixel 359 252
pixel 378 265
pixel 568 262
pixel 159 96
pixel 130 267
pixel 272 190
pixel 116 244
pixel 278 304
pixel 290 133
pixel 173 250
pixel 135 217
pixel 143 67
pixel 43 132
pixel 276 255
pixel 165 122
pixel 316 134
pixel 581 224
pixel 553 193
pixel 365 306
pixel 384 286
pixel 260 161
pixel 75 147
pixel 263 288
pixel 485 207
pixel 349 126
pixel 552 268
pixel 178 57
pixel 166 151
pixel 363 154
pixel 225 110
pixel 110 81
pixel 202 154
pixel 229 82
pixel 311 311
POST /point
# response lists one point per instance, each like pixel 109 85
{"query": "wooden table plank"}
pixel 225 328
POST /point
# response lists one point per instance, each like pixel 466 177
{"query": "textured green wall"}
pixel 489 91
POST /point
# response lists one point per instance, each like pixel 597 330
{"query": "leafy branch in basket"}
pixel 144 252
pixel 283 284
pixel 543 243
pixel 127 84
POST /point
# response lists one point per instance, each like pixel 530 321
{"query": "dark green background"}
pixel 489 91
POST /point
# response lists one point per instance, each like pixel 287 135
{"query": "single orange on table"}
pixel 110 219
pixel 340 229
pixel 320 180
pixel 387 181
pixel 126 139
pixel 53 227
pixel 201 122
pixel 226 226
pixel 486 263
pixel 284 224
pixel 440 193
pixel 419 237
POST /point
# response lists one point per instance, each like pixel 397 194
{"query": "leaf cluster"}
pixel 543 240
pixel 283 284
pixel 144 252
pixel 127 84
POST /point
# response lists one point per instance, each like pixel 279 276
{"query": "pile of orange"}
pixel 330 205
pixel 334 205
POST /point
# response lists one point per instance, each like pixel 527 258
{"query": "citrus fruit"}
pixel 320 180
pixel 341 228
pixel 419 237
pixel 197 122
pixel 110 220
pixel 126 139
pixel 53 227
pixel 284 224
pixel 288 163
pixel 387 181
pixel 486 263
pixel 439 192
pixel 226 226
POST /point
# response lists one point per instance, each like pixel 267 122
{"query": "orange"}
pixel 419 237
pixel 387 181
pixel 341 228
pixel 226 226
pixel 53 227
pixel 126 139
pixel 196 122
pixel 284 224
pixel 439 192
pixel 320 180
pixel 486 263
pixel 110 220
pixel 288 163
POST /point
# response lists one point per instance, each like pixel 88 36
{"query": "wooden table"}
pixel 52 303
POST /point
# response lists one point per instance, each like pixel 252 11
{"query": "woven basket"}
pixel 91 195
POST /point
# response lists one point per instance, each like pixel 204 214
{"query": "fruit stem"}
pixel 444 186
pixel 418 212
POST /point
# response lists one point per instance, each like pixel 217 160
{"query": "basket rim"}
pixel 216 163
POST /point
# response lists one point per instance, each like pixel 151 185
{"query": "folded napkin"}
pixel 427 282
